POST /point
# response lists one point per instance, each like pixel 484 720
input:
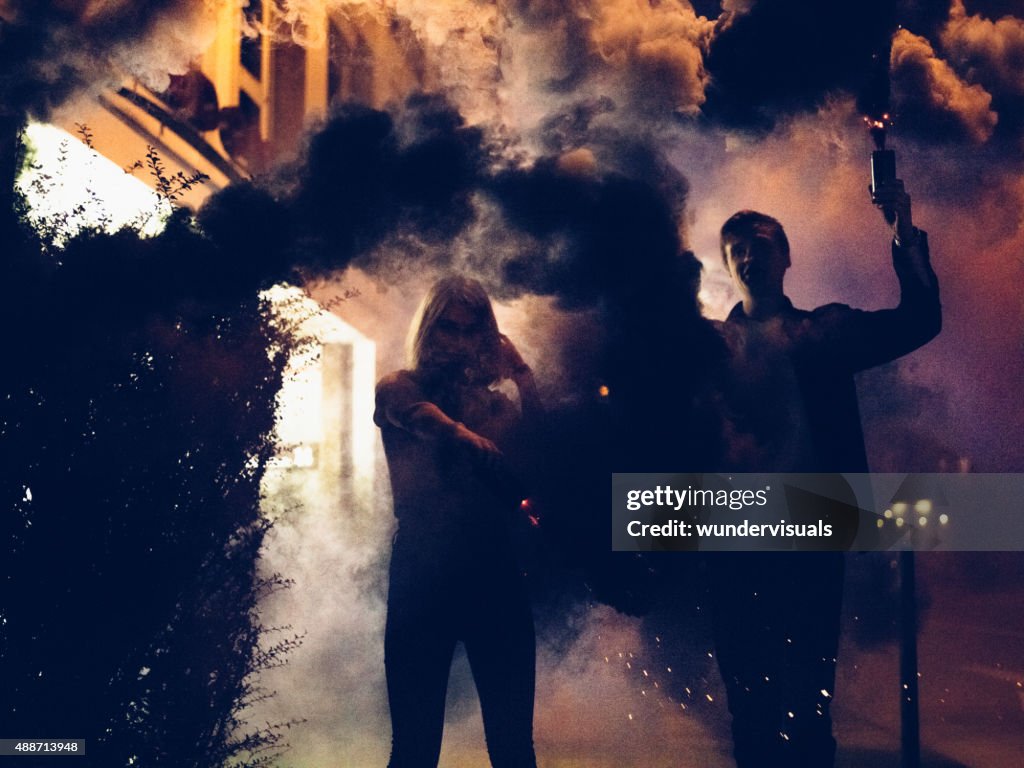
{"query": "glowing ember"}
pixel 878 126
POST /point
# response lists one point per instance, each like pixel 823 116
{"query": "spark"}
pixel 878 124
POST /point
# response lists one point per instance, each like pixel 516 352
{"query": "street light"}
pixel 913 507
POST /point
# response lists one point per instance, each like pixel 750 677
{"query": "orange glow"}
pixel 603 391
pixel 873 123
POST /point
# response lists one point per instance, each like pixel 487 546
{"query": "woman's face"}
pixel 457 337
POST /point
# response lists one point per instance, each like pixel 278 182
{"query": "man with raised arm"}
pixel 792 407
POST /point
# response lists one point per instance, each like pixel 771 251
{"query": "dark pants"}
pixel 776 628
pixel 433 602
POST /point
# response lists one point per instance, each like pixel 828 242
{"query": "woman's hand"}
pixel 511 363
pixel 514 367
pixel 479 446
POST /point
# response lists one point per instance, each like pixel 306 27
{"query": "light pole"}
pixel 910 734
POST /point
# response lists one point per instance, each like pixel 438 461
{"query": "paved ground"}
pixel 611 700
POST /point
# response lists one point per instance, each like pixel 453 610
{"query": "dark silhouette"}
pixel 793 408
pixel 138 414
pixel 453 576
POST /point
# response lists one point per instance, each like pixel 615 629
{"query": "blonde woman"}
pixel 453 576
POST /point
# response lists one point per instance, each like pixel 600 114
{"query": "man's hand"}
pixel 894 203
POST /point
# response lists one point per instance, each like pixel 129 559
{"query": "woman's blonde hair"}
pixel 456 289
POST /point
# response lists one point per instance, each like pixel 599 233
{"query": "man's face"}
pixel 756 264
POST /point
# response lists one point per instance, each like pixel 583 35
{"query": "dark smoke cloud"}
pixel 50 51
pixel 367 175
pixel 954 66
pixel 753 65
pixel 585 137
pixel 604 221
pixel 760 57
pixel 601 225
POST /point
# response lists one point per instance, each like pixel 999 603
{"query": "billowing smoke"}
pixel 650 55
pixel 989 49
pixel 989 53
pixel 53 50
pixel 934 98
pixel 758 58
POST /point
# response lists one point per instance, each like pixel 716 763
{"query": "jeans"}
pixel 435 599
